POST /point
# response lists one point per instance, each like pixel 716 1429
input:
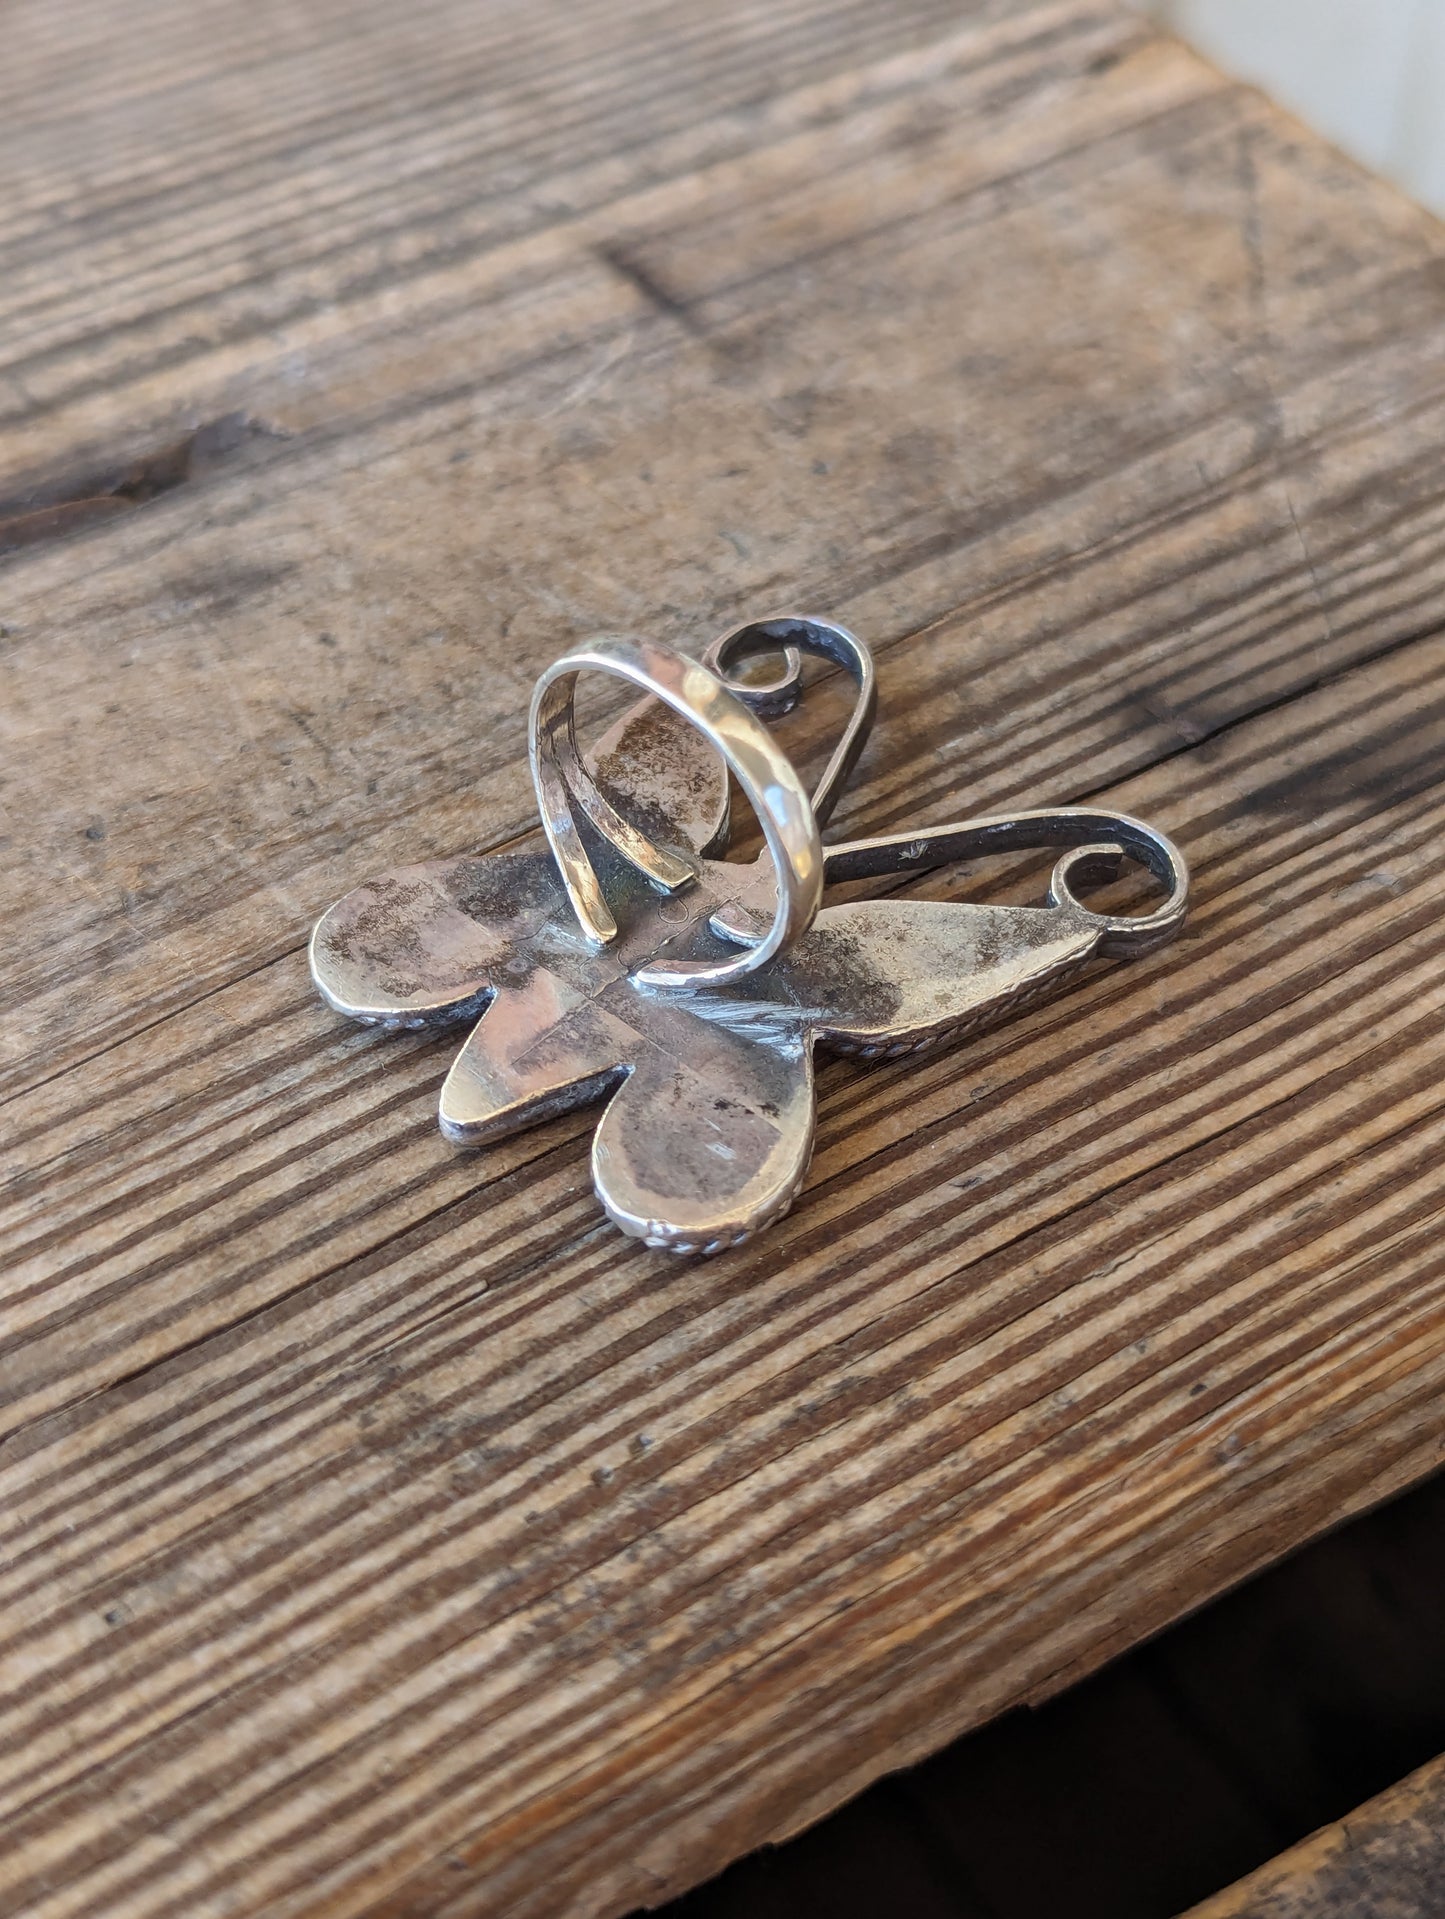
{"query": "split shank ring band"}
pixel 761 769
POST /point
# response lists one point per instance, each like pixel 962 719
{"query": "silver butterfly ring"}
pixel 627 962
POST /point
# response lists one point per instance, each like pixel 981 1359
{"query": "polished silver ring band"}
pixel 761 769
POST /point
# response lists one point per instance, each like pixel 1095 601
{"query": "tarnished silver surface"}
pixel 708 1131
pixel 708 1124
pixel 662 774
pixel 671 785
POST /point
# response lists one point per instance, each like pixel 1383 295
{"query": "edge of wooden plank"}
pixel 1384 1860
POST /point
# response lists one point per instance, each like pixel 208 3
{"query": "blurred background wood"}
pixel 382 1534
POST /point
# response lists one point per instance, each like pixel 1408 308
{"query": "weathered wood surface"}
pixel 1385 1861
pixel 382 1534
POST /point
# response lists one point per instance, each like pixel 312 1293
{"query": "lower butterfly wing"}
pixel 543 1046
pixel 694 1160
pixel 707 1133
pixel 885 976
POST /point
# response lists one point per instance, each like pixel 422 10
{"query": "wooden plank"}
pixel 1386 1860
pixel 382 1534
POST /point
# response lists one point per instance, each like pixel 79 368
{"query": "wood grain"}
pixel 382 1534
pixel 1385 1861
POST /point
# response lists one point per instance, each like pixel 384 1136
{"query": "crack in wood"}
pixel 641 278
pixel 79 497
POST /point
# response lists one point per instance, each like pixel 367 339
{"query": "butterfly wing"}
pixel 417 946
pixel 884 976
pixel 708 1130
pixel 698 1153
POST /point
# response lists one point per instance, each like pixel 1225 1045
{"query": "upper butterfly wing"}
pixel 419 945
pixel 883 976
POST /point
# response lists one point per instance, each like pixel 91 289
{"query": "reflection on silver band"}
pixel 761 769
